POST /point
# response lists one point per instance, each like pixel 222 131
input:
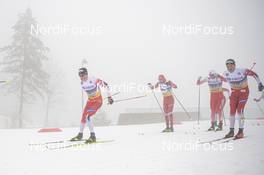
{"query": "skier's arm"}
pixel 222 78
pixel 255 75
pixel 173 85
pixel 156 85
pixel 200 81
pixel 106 86
pixel 153 87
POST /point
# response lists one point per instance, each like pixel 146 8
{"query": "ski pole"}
pixel 82 99
pixel 253 66
pixel 83 64
pixel 182 105
pixel 114 94
pixel 224 117
pixel 223 113
pixel 130 98
pixel 152 91
pixel 3 81
pixel 199 102
pixel 261 110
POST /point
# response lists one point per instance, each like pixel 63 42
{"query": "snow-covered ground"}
pixel 137 150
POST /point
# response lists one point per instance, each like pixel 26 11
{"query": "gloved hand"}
pixel 256 100
pixel 110 100
pixel 260 87
pixel 199 80
pixel 150 86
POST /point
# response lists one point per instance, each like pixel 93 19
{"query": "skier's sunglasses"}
pixel 82 75
pixel 230 62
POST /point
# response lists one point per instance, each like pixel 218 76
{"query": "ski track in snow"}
pixel 137 150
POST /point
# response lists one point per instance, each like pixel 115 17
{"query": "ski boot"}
pixel 212 128
pixel 92 139
pixel 171 129
pixel 230 134
pixel 166 130
pixel 240 134
pixel 219 127
pixel 77 138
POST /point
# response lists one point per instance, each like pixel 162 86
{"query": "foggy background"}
pixel 133 48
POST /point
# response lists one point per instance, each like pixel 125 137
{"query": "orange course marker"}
pixel 50 130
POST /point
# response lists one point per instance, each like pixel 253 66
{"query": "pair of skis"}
pixel 64 144
pixel 221 140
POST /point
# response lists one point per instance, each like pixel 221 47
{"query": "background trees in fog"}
pixel 23 62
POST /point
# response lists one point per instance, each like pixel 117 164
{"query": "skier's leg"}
pixel 233 108
pixel 221 109
pixel 171 121
pixel 232 119
pixel 170 110
pixel 90 124
pixel 211 108
pixel 213 112
pixel 166 112
pixel 221 113
pixel 83 122
pixel 82 126
pixel 244 93
pixel 86 112
pixel 167 121
pixel 94 108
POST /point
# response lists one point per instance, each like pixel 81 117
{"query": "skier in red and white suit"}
pixel 217 99
pixel 168 100
pixel 91 86
pixel 237 78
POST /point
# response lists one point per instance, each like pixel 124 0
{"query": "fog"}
pixel 130 41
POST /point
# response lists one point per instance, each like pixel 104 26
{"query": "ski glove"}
pixel 199 80
pixel 110 100
pixel 260 87
pixel 150 86
pixel 256 100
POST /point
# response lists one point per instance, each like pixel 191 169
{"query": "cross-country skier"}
pixel 217 99
pixel 168 100
pixel 91 86
pixel 237 78
pixel 260 98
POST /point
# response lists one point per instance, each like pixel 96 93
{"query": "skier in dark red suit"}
pixel 168 100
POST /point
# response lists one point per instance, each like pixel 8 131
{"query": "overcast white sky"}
pixel 133 47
